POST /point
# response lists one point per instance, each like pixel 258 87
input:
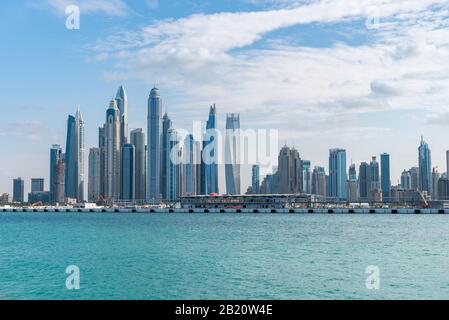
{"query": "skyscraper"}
pixel 435 177
pixel 319 181
pixel 167 124
pixel 255 178
pixel 59 180
pixel 374 179
pixel 55 154
pixel 138 141
pixel 405 180
pixel 337 173
pixel 232 153
pixel 290 171
pixel 364 181
pixel 154 146
pixel 122 104
pixel 385 176
pixel 210 163
pixel 352 191
pixel 425 167
pixel 128 172
pixel 173 165
pixel 94 174
pixel 103 175
pixel 74 175
pixel 18 194
pixel 112 160
pixel 306 176
pixel 447 163
pixel 414 178
pixel 190 158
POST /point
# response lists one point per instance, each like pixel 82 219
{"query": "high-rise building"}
pixel 374 180
pixel 337 173
pixel 255 178
pixel 290 171
pixel 55 154
pixel 405 180
pixel 74 175
pixel 364 181
pixel 435 177
pixel 154 146
pixel 18 194
pixel 59 181
pixel 103 175
pixel 128 172
pixel 5 199
pixel 209 155
pixel 306 176
pixel 385 176
pixel 174 163
pixel 122 104
pixel 94 174
pixel 443 189
pixel 319 181
pixel 112 159
pixel 190 159
pixel 425 167
pixel 232 153
pixel 352 191
pixel 414 178
pixel 167 124
pixel 447 163
pixel 37 185
pixel 138 141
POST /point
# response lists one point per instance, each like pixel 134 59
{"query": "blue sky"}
pixel 312 69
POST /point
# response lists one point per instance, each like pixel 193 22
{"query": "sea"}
pixel 156 256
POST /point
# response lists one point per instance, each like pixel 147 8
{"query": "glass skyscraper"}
pixel 209 161
pixel 138 141
pixel 337 173
pixel 232 153
pixel 425 167
pixel 55 154
pixel 385 181
pixel 154 140
pixel 128 172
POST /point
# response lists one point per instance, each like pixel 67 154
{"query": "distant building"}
pixel 55 155
pixel 154 141
pixel 210 153
pixel 232 154
pixel 319 181
pixel 414 178
pixel 122 104
pixel 174 164
pixel 306 176
pixel 94 174
pixel 374 181
pixel 59 181
pixel 435 177
pixel 443 189
pixel 385 175
pixel 112 135
pixel 128 172
pixel 5 199
pixel 255 179
pixel 138 141
pixel 42 197
pixel 290 171
pixel 337 173
pixel 364 181
pixel 37 185
pixel 425 167
pixel 191 154
pixel 167 125
pixel 405 180
pixel 352 184
pixel 18 191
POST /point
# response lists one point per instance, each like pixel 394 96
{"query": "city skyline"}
pixel 368 92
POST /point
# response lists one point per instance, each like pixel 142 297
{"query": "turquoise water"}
pixel 223 256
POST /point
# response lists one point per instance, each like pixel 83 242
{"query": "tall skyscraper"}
pixel 138 141
pixel 290 171
pixel 405 180
pixel 210 162
pixel 337 173
pixel 447 163
pixel 425 167
pixel 374 179
pixel 352 191
pixel 112 160
pixel 55 154
pixel 414 178
pixel 435 177
pixel 319 181
pixel 385 176
pixel 74 176
pixel 128 174
pixel 306 176
pixel 255 178
pixel 154 146
pixel 18 194
pixel 37 185
pixel 174 162
pixel 94 174
pixel 167 124
pixel 364 181
pixel 103 175
pixel 122 104
pixel 232 153
pixel 190 158
pixel 59 180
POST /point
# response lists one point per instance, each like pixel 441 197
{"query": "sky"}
pixel 370 76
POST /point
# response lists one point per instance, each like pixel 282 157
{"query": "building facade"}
pixel 154 141
pixel 232 154
pixel 337 173
pixel 138 141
